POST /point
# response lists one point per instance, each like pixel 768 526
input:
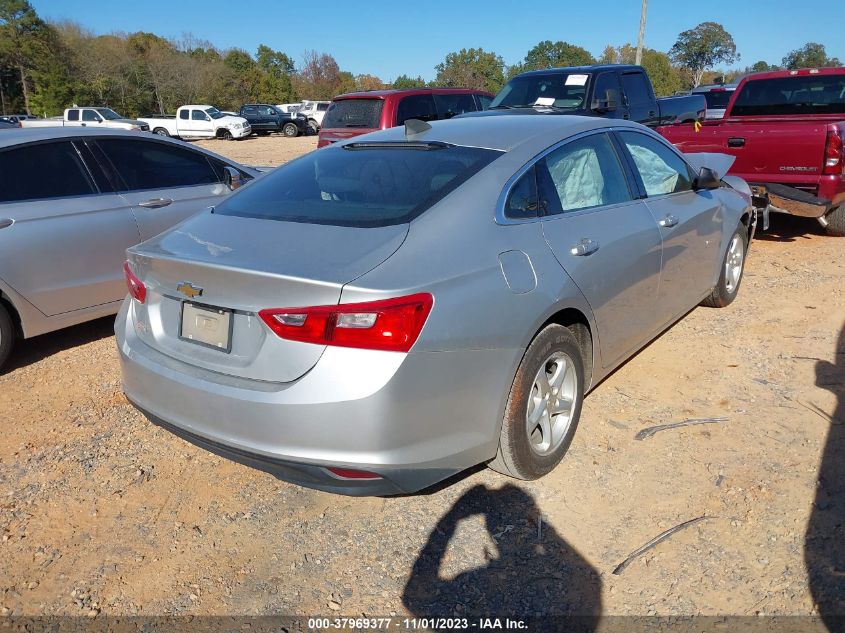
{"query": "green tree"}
pixel 761 67
pixel 548 54
pixel 276 63
pixel 811 55
pixel 472 68
pixel 702 47
pixel 665 78
pixel 404 82
pixel 24 42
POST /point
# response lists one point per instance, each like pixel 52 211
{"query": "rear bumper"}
pixel 782 198
pixel 413 419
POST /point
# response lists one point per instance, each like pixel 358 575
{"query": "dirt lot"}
pixel 103 513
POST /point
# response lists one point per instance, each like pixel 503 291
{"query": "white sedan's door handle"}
pixel 585 247
pixel 669 221
pixel 155 203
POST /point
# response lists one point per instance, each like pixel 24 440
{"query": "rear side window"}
pixel 73 115
pixel 151 165
pixel 448 105
pixel 416 107
pixel 636 89
pixel 582 174
pixel 360 184
pixel 47 170
pixel 522 201
pixel 184 115
pixel 354 113
pixel 661 170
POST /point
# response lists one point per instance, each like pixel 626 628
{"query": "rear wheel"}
pixel 836 221
pixel 161 131
pixel 732 268
pixel 7 335
pixel 290 130
pixel 544 406
pixel 312 125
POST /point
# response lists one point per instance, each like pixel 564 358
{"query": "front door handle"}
pixel 155 203
pixel 736 141
pixel 668 222
pixel 585 247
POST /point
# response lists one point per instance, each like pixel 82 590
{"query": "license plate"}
pixel 207 325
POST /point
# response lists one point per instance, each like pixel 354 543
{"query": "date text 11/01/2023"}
pixel 412 624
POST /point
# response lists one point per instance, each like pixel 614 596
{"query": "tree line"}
pixel 46 66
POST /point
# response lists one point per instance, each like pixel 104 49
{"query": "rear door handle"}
pixel 668 222
pixel 736 141
pixel 585 247
pixel 6 223
pixel 155 203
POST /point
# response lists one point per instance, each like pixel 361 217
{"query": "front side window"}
pixel 582 174
pixel 90 115
pixel 249 110
pixel 607 89
pixel 448 105
pixel 359 184
pixel 198 115
pixel 661 170
pixel 267 111
pixel 150 165
pixel 416 107
pixel 46 170
pixel 636 89
pixel 484 101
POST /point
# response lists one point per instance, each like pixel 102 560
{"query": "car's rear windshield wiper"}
pixel 418 145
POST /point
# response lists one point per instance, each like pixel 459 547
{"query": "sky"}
pixel 387 39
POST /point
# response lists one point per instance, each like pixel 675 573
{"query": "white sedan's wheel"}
pixel 7 335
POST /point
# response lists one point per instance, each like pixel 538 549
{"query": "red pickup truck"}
pixel 786 130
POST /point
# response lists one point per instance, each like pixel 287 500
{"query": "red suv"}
pixel 357 113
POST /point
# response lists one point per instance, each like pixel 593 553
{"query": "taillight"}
pixel 834 152
pixel 136 287
pixel 389 325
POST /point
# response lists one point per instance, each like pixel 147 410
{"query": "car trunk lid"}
pixel 236 266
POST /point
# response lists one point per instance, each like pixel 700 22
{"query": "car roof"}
pixel 581 69
pixel 504 133
pixel 801 72
pixel 382 94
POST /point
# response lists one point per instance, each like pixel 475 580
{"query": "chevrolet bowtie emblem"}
pixel 189 290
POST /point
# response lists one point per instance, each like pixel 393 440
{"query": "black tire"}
pixel 225 135
pixel 517 455
pixel 290 130
pixel 726 289
pixel 836 222
pixel 7 335
pixel 313 126
pixel 161 132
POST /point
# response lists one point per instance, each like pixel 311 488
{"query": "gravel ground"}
pixel 102 513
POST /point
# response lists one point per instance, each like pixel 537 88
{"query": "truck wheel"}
pixel 312 124
pixel 733 265
pixel 290 130
pixel 161 131
pixel 544 406
pixel 7 335
pixel 225 134
pixel 836 221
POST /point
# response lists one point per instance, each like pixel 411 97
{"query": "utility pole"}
pixel 639 59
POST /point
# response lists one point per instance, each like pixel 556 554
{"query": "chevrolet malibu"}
pixel 385 312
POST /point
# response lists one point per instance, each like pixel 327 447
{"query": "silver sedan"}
pixel 72 201
pixel 383 313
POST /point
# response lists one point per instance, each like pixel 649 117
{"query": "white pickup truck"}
pixel 89 117
pixel 199 121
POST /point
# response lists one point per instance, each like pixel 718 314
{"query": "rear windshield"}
pixel 807 94
pixel 558 90
pixel 368 186
pixel 363 113
pixel 717 99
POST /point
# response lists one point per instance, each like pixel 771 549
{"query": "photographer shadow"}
pixel 824 549
pixel 536 572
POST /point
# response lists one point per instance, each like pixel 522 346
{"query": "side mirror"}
pixel 232 177
pixel 98 119
pixel 707 179
pixel 207 118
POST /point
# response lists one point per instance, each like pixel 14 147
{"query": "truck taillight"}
pixel 388 325
pixel 137 289
pixel 834 152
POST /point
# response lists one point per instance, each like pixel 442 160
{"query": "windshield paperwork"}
pixel 566 91
pixel 214 113
pixel 108 114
